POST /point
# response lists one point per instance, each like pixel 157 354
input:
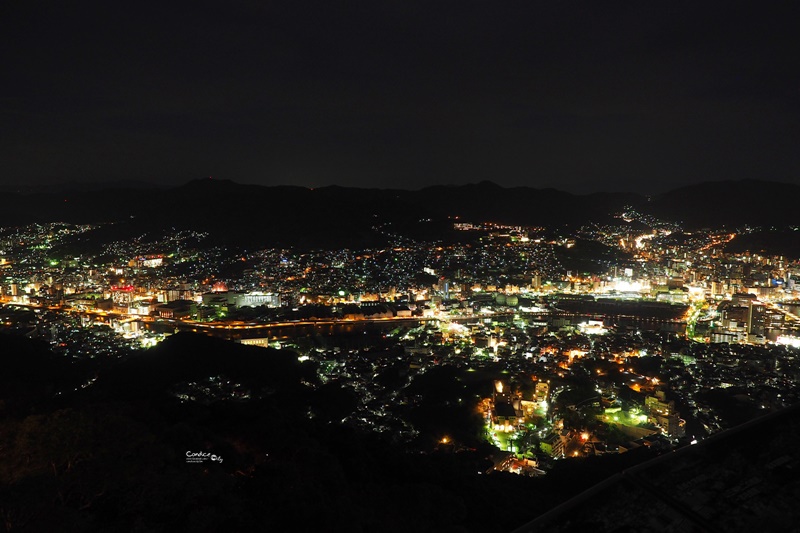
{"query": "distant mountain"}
pixel 487 201
pixel 786 243
pixel 298 216
pixel 339 216
pixel 729 204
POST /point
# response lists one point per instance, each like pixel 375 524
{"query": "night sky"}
pixel 584 96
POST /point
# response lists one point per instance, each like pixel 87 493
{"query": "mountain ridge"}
pixel 291 215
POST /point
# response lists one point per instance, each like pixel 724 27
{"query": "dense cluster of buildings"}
pixel 678 338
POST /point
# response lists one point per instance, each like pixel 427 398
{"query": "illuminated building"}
pixel 553 445
pixel 542 391
pixel 177 309
pixel 219 286
pixel 122 295
pixel 148 261
pixel 257 299
pixel 663 413
pixel 241 299
pixel 504 416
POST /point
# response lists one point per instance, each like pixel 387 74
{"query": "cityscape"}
pixel 524 347
pixel 399 266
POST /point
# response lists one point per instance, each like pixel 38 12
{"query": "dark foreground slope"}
pixel 113 456
pixel 744 479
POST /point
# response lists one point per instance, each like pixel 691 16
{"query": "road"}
pixel 239 325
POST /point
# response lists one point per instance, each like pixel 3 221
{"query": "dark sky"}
pixel 582 96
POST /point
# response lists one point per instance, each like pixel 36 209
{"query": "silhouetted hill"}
pixel 785 243
pixel 335 216
pixel 295 216
pixel 487 201
pixel 730 204
pixel 186 357
pixel 32 375
pixel 115 455
pixel 714 486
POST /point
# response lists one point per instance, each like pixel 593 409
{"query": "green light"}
pixel 341 293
